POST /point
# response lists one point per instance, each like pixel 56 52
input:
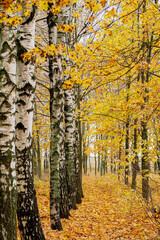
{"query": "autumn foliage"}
pixel 110 55
pixel 109 210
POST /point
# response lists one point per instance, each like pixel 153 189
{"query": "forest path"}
pixel 108 211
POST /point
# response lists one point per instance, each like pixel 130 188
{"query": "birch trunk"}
pixel 27 212
pixel 145 77
pixel 58 187
pixel 127 138
pixel 38 145
pixel 69 145
pixel 8 192
pixel 78 164
pixel 84 148
pixel 72 146
pixel 79 193
pixel 79 190
pixel 70 123
pixel 66 175
pixel 135 161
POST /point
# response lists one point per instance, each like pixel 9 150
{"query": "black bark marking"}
pixel 3 117
pixel 5 47
pixel 31 17
pixel 30 110
pixel 28 87
pixel 21 102
pixel 20 126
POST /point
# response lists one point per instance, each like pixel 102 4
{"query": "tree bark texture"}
pixel 79 194
pixel 27 209
pixel 145 75
pixel 38 146
pixel 57 157
pixel 8 81
pixel 127 138
pixel 135 161
pixel 69 145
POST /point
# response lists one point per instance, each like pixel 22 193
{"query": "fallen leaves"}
pixel 109 211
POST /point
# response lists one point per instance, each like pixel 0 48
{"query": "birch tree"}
pixel 8 82
pixel 78 149
pixel 27 212
pixel 56 119
pixel 69 145
pixel 69 113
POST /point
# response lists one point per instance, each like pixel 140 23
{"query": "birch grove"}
pixel 96 106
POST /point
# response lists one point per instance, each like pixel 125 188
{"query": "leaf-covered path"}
pixel 108 211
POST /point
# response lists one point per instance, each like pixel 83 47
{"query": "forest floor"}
pixel 109 210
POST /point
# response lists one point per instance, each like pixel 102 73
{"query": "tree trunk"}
pixel 105 162
pixel 70 145
pixel 135 161
pixel 90 166
pixel 72 124
pixel 38 145
pixel 95 164
pixel 27 209
pixel 157 133
pixel 79 193
pixel 34 157
pixel 46 161
pixel 158 154
pixel 58 181
pixel 145 75
pixel 8 192
pixel 119 160
pixel 127 139
pixel 84 148
pixel 111 162
pixel 39 155
pixel 145 162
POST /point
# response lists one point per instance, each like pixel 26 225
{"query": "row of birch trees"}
pixel 17 89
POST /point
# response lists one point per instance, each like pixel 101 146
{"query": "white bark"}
pixel 70 141
pixel 25 95
pixel 56 118
pixel 7 134
pixel 71 127
pixel 28 215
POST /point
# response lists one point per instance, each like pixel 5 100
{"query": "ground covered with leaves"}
pixel 109 211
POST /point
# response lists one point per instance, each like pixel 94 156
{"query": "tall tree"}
pixel 78 145
pixel 69 145
pixel 38 145
pixel 144 76
pixel 8 81
pixel 135 160
pixel 27 209
pixel 127 136
pixel 78 162
pixel 56 118
pixel 71 123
